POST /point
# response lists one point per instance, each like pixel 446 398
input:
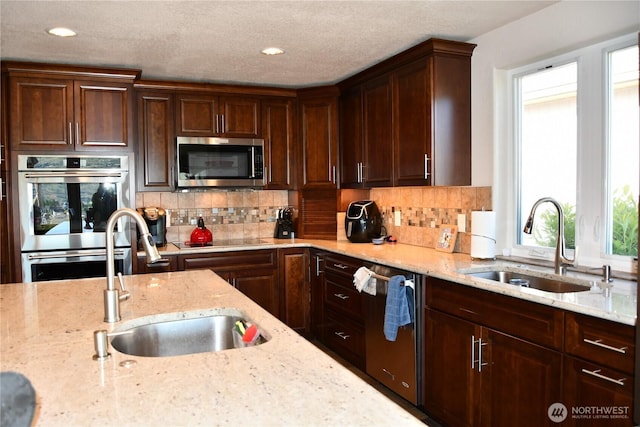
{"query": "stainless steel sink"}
pixel 530 281
pixel 179 337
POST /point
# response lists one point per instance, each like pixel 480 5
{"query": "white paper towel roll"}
pixel 483 234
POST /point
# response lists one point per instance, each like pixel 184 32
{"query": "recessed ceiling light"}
pixel 272 51
pixel 61 32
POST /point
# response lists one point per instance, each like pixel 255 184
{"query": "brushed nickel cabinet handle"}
pixel 340 266
pixel 599 343
pixel 342 335
pixel 426 166
pixel 70 133
pixel 597 374
pixel 343 297
pixel 78 133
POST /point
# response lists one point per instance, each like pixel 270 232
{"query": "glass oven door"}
pixel 58 265
pixel 68 208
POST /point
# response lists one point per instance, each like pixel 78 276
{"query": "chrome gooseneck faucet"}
pixel 561 262
pixel 112 296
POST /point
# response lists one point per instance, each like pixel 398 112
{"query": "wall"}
pixel 559 28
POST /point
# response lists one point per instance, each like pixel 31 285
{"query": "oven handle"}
pixel 73 254
pixel 73 174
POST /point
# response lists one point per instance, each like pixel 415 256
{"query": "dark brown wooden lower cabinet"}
pixel 476 376
pixel 295 295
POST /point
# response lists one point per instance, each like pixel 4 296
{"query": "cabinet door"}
pixel 277 131
pixel 156 146
pixel 261 285
pixel 590 387
pixel 525 375
pixel 196 115
pixel 239 117
pixel 377 136
pixel 41 112
pixel 450 381
pixel 102 114
pixel 293 265
pixel 319 122
pixel 351 158
pixel 411 125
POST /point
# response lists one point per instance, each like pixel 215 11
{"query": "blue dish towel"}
pixel 399 307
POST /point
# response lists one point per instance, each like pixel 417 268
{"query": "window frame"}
pixel 592 180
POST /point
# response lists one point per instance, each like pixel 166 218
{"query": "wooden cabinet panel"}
pixel 67 108
pixel 600 341
pixel 377 136
pixel 102 114
pixel 351 150
pixel 599 395
pixel 295 294
pixel 450 383
pixel 526 375
pixel 142 266
pixel 240 117
pixel 412 125
pixel 319 130
pixel 200 114
pixel 255 273
pixel 277 131
pixel 196 115
pixel 41 113
pixel 156 146
pixel 317 219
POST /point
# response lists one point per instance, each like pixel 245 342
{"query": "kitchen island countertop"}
pixel 47 335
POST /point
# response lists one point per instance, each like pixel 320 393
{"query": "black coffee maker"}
pixel 363 221
pixel 156 219
pixel 284 224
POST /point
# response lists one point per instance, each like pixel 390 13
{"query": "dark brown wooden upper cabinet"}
pixel 416 119
pixel 319 133
pixel 351 156
pixel 278 133
pixel 377 170
pixel 156 141
pixel 211 115
pixel 67 108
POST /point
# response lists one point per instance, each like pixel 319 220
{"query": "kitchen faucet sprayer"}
pixel 560 260
pixel 112 296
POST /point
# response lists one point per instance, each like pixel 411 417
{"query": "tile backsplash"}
pixel 251 214
pixel 228 214
pixel 423 210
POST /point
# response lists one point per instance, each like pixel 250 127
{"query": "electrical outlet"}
pixel 397 215
pixel 462 223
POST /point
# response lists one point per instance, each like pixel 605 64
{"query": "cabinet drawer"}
pixel 345 337
pixel 600 341
pixel 345 300
pixel 343 266
pixel 533 322
pixel 229 261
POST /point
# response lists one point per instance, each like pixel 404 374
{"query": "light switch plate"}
pixel 462 223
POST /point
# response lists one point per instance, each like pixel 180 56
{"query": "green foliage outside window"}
pixel 625 225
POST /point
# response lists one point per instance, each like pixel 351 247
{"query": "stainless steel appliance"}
pixel 64 203
pixel 396 363
pixel 220 162
pixel 362 221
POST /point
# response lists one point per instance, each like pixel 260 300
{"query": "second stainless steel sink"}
pixel 179 337
pixel 530 281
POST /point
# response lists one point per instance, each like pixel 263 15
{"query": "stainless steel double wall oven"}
pixel 64 204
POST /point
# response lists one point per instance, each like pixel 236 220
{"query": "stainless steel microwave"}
pixel 219 162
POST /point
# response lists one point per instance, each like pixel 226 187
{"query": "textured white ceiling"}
pixel 220 41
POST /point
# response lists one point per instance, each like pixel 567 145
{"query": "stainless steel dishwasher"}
pixel 396 364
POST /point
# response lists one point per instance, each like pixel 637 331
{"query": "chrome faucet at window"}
pixel 112 296
pixel 561 262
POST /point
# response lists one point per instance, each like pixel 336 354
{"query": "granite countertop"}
pixel 47 335
pixel 620 306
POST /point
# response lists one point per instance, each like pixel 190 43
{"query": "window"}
pixel 576 132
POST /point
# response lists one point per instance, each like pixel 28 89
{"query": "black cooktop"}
pixel 220 243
